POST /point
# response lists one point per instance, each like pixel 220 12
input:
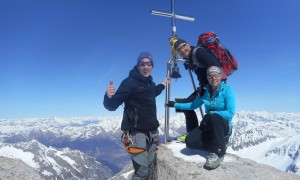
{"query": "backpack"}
pixel 211 42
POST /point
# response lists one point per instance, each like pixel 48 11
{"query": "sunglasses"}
pixel 213 76
pixel 179 49
pixel 143 64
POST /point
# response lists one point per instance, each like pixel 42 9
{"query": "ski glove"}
pixel 200 90
pixel 188 65
pixel 170 104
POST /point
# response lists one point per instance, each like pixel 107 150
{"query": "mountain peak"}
pixel 170 166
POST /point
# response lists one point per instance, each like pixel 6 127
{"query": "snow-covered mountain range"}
pixel 54 163
pixel 52 144
pixel 268 138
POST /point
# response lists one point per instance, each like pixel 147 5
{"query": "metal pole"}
pixel 173 18
pixel 171 61
pixel 167 109
pixel 168 90
pixel 194 86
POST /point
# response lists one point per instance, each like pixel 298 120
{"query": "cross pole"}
pixel 171 62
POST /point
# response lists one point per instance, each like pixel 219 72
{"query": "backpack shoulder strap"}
pixel 194 58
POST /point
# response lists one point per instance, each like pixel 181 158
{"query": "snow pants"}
pixel 212 135
pixel 191 118
pixel 143 162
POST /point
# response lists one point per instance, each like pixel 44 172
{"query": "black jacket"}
pixel 204 59
pixel 138 93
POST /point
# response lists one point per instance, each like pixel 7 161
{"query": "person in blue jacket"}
pixel 215 128
pixel 139 123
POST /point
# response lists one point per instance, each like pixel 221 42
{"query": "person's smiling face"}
pixel 214 79
pixel 145 67
pixel 184 50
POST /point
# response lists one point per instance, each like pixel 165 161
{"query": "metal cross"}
pixel 173 16
pixel 171 62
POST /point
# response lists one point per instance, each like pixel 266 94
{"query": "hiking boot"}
pixel 182 138
pixel 213 161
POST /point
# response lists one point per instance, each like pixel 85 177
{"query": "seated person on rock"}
pixel 213 133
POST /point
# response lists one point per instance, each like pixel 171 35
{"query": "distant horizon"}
pixel 120 115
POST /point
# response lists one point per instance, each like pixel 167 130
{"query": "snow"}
pixel 267 138
pixel 54 164
pixel 127 174
pixel 47 173
pixel 67 159
pixel 273 152
pixel 12 152
pixel 192 155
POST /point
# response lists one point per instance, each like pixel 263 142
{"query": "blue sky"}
pixel 58 56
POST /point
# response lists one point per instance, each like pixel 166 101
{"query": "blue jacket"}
pixel 222 102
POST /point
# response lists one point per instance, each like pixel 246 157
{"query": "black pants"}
pixel 212 135
pixel 191 118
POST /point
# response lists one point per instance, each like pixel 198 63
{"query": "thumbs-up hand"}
pixel 110 91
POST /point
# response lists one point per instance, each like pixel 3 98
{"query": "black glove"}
pixel 200 91
pixel 188 65
pixel 170 103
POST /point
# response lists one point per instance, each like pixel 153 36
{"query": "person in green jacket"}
pixel 215 128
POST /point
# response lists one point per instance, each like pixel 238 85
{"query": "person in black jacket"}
pixel 198 62
pixel 139 123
